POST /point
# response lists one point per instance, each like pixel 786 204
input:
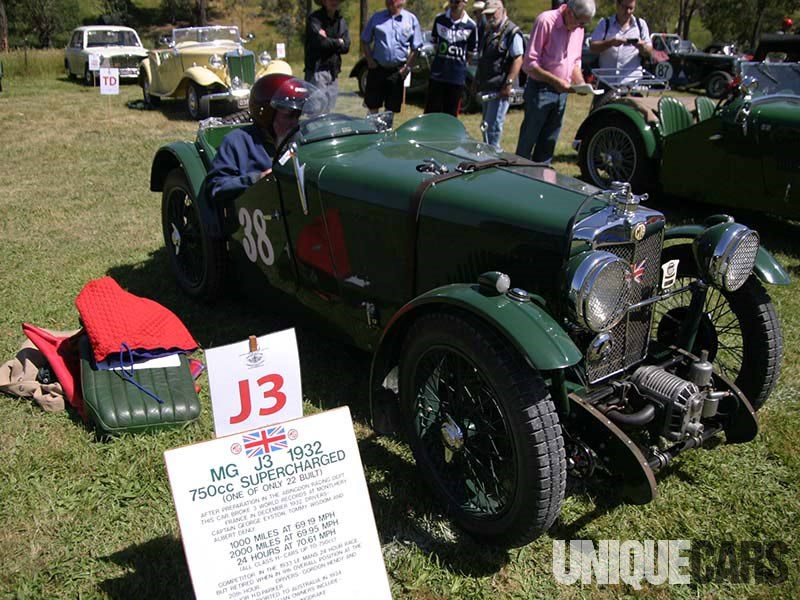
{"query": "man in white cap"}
pixel 499 63
pixel 479 18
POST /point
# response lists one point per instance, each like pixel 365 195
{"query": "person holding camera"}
pixel 622 40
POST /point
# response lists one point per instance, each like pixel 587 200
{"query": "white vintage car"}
pixel 204 65
pixel 118 48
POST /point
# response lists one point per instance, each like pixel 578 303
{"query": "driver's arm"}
pixel 238 164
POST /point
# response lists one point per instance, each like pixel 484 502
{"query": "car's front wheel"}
pixel 739 329
pixel 483 429
pixel 198 260
pixel 88 76
pixel 612 149
pixel 194 106
pixel 362 80
pixel 149 99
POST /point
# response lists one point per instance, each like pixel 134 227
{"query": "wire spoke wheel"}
pixel 198 261
pixel 612 156
pixel 740 330
pixel 463 433
pixel 482 427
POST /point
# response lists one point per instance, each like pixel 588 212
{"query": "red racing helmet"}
pixel 277 91
pixel 787 23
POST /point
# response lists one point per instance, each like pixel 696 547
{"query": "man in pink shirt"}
pixel 553 64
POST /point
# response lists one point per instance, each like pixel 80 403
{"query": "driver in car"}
pixel 245 155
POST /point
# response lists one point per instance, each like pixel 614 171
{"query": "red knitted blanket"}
pixel 113 317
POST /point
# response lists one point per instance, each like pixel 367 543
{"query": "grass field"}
pixel 82 518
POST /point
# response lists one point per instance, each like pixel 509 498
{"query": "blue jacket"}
pixel 241 158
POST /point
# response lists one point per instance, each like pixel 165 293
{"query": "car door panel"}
pixel 259 237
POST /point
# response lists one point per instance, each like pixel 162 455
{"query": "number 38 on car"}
pixel 525 327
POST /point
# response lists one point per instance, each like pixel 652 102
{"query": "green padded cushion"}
pixel 117 406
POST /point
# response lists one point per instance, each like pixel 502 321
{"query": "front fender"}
pixel 527 326
pixel 630 113
pixel 184 155
pixel 144 72
pixel 358 67
pixel 275 66
pixel 767 267
pixel 202 76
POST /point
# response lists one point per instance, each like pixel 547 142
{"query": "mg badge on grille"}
pixel 639 231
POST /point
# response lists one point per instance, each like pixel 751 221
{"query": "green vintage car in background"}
pixel 742 152
pixel 204 65
pixel 525 327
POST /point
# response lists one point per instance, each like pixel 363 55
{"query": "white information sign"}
pixel 254 387
pixel 94 62
pixel 280 50
pixel 109 82
pixel 280 512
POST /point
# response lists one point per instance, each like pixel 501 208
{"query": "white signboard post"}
pixel 280 50
pixel 255 382
pixel 109 82
pixel 279 512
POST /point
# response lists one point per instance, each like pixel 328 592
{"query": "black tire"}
pixel 717 84
pixel 612 149
pixel 505 476
pixel 88 77
pixel 362 81
pixel 740 329
pixel 149 99
pixel 194 106
pixel 198 261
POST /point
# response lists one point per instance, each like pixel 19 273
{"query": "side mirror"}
pixel 250 37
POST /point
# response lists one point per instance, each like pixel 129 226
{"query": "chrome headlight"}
pixel 264 58
pixel 726 253
pixel 599 289
pixel 216 61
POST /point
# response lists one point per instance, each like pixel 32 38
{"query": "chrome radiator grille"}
pixel 125 61
pixel 242 66
pixel 631 335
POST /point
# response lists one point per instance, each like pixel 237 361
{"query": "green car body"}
pixel 406 242
pixel 740 153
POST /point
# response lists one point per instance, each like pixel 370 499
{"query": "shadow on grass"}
pixel 156 569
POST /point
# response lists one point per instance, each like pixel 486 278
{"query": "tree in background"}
pixel 47 21
pixel 686 10
pixel 753 18
pixel 3 27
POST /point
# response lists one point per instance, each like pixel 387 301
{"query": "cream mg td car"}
pixel 204 65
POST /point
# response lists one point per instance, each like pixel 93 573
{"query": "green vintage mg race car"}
pixel 742 152
pixel 525 326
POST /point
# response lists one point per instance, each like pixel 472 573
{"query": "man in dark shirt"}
pixel 245 155
pixel 455 38
pixel 327 38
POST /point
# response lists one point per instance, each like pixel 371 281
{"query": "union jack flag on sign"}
pixel 269 439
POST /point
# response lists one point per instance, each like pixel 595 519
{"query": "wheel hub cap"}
pixel 175 238
pixel 453 438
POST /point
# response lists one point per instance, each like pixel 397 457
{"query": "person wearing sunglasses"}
pixel 552 62
pixel 455 41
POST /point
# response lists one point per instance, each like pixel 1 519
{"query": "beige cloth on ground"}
pixel 18 377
